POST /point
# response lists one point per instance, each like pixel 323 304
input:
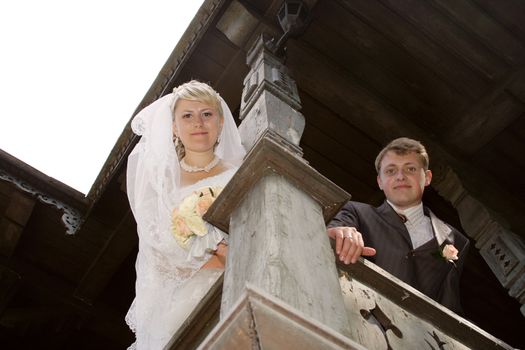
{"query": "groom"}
pixel 403 236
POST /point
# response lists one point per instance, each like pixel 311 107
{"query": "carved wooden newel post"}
pixel 277 232
pixel 280 265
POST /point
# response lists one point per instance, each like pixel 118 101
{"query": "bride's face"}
pixel 197 124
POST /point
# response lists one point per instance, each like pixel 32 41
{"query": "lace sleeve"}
pixel 154 191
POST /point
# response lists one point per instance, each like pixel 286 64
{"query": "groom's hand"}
pixel 349 245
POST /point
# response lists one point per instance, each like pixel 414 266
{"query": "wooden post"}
pixel 277 204
pixel 270 101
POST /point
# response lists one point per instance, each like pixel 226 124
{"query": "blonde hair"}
pixel 195 90
pixel 402 146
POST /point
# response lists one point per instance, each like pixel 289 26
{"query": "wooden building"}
pixel 449 73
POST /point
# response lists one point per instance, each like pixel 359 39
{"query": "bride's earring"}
pixel 219 137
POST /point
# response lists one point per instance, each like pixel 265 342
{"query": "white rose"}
pixel 450 252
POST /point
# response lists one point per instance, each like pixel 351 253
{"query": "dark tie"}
pixel 403 218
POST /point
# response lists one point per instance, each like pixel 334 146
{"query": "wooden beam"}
pixel 382 63
pixel 482 25
pixel 440 29
pixel 416 44
pixel 14 220
pixel 9 283
pixel 338 154
pixel 41 286
pixel 117 248
pixel 494 111
pixel 339 128
pixel 30 319
pixel 516 87
pixel 341 94
pixel 509 13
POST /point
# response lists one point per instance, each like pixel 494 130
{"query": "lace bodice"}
pixel 217 180
pixel 163 267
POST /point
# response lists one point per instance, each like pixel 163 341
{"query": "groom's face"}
pixel 403 179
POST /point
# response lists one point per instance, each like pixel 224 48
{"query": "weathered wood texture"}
pixel 261 321
pixel 273 232
pixel 277 227
pixel 279 117
pixel 385 312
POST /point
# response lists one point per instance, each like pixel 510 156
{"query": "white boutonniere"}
pixel 447 252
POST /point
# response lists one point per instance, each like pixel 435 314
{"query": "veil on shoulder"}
pixel 153 188
pixel 153 172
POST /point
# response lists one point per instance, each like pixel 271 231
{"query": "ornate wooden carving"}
pixel 503 250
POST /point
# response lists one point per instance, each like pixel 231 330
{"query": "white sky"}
pixel 72 73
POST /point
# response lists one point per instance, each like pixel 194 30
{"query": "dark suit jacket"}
pixel 422 268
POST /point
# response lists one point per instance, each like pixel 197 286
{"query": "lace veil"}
pixel 153 172
pixel 153 178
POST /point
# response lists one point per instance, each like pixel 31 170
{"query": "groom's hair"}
pixel 402 146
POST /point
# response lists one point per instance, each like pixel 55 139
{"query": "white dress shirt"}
pixel 418 225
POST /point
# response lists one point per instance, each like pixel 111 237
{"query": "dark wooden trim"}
pixel 24 174
pixel 269 156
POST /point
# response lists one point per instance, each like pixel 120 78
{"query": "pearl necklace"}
pixel 194 169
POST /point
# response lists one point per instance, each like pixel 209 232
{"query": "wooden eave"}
pixel 160 87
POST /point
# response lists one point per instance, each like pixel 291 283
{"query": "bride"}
pixel 189 150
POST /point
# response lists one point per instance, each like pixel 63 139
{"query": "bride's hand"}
pixel 218 259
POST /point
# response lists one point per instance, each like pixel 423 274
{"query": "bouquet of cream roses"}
pixel 187 218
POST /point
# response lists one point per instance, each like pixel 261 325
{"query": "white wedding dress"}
pixel 168 287
pixel 170 281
